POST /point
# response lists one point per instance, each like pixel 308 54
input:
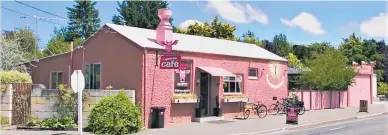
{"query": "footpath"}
pixel 270 124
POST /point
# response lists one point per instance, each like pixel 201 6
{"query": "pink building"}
pixel 127 57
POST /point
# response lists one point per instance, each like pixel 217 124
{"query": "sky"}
pixel 302 22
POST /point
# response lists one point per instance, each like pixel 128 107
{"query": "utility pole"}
pixel 36 28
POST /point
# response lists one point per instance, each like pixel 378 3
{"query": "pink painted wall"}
pixel 160 89
pixel 360 90
pixel 318 103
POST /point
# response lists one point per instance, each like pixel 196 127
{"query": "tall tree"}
pixel 11 56
pixel 215 29
pixel 270 46
pixel 294 62
pixel 142 14
pixel 352 48
pixel 83 20
pixel 26 41
pixel 250 37
pixel 329 71
pixel 281 42
pixel 58 45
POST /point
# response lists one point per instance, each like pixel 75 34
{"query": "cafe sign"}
pixel 170 62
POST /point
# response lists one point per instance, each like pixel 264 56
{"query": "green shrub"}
pixel 4 120
pixel 115 115
pixel 15 77
pixel 58 123
pixel 382 88
pixel 33 121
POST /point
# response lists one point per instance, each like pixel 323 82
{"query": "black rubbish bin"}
pixel 157 117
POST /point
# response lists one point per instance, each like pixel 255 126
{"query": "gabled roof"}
pixel 191 43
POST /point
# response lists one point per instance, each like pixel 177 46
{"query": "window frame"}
pixel 236 82
pixel 86 76
pixel 253 77
pixel 190 82
pixel 57 79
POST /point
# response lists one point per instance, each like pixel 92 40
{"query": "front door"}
pixel 204 92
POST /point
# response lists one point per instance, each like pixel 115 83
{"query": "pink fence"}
pixel 315 100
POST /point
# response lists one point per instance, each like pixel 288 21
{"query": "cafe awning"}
pixel 215 71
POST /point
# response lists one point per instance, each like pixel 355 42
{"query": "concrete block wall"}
pixel 43 101
pixel 6 103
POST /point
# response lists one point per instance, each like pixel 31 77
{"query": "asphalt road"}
pixel 371 126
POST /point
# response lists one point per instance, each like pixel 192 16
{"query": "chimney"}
pixel 164 30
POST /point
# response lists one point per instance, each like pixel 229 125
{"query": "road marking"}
pixel 336 128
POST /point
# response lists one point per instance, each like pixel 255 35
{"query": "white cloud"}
pixel 257 15
pixel 237 13
pixel 349 28
pixel 377 26
pixel 306 22
pixel 185 24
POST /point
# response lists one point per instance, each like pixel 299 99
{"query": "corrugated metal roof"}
pixel 191 43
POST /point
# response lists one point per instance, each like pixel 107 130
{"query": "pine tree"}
pixel 83 20
pixel 142 14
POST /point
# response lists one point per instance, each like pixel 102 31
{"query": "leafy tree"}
pixel 281 42
pixel 83 20
pixel 11 56
pixel 329 71
pixel 250 37
pixel 352 48
pixel 26 41
pixel 294 62
pixel 215 29
pixel 270 46
pixel 58 45
pixel 142 14
pixel 382 88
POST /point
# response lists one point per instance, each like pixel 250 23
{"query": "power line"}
pixel 30 16
pixel 39 9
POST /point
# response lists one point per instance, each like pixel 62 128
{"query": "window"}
pixel 233 84
pixel 182 77
pixel 56 78
pixel 92 76
pixel 252 73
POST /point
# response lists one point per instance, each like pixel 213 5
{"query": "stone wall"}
pixel 43 101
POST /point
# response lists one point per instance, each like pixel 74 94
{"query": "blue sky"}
pixel 302 22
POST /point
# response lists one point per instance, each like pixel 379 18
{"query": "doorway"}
pixel 204 92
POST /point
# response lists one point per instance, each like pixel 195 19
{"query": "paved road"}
pixel 370 126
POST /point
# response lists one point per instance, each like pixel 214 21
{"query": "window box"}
pixel 184 98
pixel 236 98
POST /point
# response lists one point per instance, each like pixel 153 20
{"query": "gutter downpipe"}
pixel 371 84
pixel 144 87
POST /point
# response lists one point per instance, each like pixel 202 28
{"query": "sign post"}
pixel 363 106
pixel 78 85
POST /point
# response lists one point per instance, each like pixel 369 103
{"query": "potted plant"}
pixel 217 110
pixel 185 98
pixel 236 98
pixel 199 112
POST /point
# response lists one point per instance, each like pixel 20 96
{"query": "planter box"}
pixel 180 101
pixel 236 100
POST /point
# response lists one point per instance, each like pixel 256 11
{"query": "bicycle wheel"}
pixel 261 111
pixel 246 114
pixel 282 108
pixel 274 109
pixel 301 110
